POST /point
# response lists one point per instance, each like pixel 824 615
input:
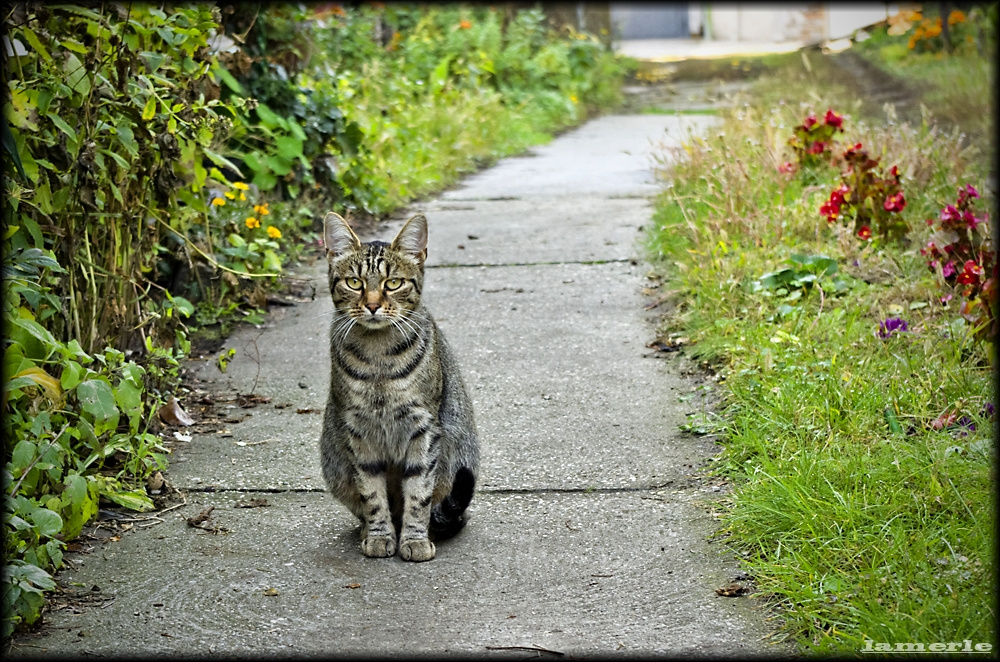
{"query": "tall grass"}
pixel 855 514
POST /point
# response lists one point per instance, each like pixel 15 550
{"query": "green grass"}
pixel 860 520
pixel 656 110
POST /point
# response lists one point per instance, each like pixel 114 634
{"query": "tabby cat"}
pixel 399 445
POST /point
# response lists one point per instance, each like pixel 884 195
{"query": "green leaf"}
pixel 289 147
pixel 76 74
pixel 35 330
pixel 47 523
pixel 75 489
pixel 152 60
pixel 149 110
pixel 222 161
pixel 24 453
pixel 72 374
pixel 277 164
pixel 228 79
pixel 134 500
pixel 269 119
pixel 63 126
pixel 32 38
pixel 127 139
pixel 183 306
pixel 98 400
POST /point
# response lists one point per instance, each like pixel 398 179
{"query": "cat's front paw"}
pixel 416 550
pixel 378 546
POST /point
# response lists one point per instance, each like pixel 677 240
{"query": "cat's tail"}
pixel 448 517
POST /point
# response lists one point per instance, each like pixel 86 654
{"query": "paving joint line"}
pixel 209 489
pixel 471 265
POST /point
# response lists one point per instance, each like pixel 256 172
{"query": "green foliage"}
pixel 169 161
pixel 377 106
pixel 861 459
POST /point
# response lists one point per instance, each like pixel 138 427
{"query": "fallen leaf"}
pixel 173 414
pixel 308 410
pixel 271 591
pixel 251 400
pixel 352 586
pixel 252 503
pixel 182 437
pixel 200 517
pixel 732 590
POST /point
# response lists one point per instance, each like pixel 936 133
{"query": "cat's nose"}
pixel 372 307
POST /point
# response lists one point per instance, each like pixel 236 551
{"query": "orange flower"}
pixel 252 222
pixel 956 16
pixel 465 25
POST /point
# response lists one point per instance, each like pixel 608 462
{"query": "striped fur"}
pixel 399 445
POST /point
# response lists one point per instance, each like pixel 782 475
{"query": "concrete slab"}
pixel 610 156
pixel 535 570
pixel 588 536
pixel 552 355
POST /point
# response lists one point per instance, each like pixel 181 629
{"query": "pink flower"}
pixel 786 168
pixel 965 193
pixel 833 119
pixel 971 220
pixel 895 202
pixel 948 270
pixel 950 214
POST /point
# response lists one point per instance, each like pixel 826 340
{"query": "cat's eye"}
pixel 393 283
pixel 353 283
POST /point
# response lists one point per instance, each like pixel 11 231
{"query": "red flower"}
pixel 833 119
pixel 865 233
pixel 851 151
pixel 810 122
pixel 817 147
pixel 895 202
pixel 830 209
pixel 970 273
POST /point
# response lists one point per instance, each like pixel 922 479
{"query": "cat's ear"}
pixel 412 238
pixel 338 237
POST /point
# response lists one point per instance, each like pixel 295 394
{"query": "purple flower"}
pixel 892 324
pixel 987 411
pixel 965 422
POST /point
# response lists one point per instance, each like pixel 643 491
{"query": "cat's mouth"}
pixel 374 321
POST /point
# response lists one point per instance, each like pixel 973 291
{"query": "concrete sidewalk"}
pixel 588 535
pixel 675 50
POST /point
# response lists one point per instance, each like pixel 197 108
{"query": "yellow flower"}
pixel 262 210
pixel 218 202
pixel 230 195
pixel 252 222
pixel 573 98
pixel 273 232
pixel 241 186
pixel 243 195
